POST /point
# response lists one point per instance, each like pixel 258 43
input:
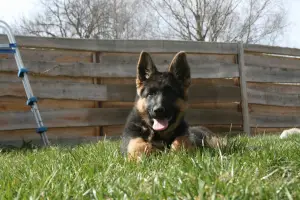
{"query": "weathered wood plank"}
pixel 78 91
pixel 109 58
pixel 214 105
pixel 272 69
pixel 164 58
pixel 19 104
pixel 50 55
pixel 263 116
pixel 244 95
pixel 123 45
pixel 215 70
pixel 217 94
pixel 12 77
pixel 77 69
pixel 255 48
pixel 118 81
pixel 115 130
pixel 195 81
pixel 272 61
pixel 105 116
pixel 214 82
pixel 274 94
pixel 52 133
pixel 272 75
pixel 116 104
pixel 273 110
pixel 125 66
pixel 274 121
pixel 126 93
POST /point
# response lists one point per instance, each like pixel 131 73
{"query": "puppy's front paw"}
pixel 138 147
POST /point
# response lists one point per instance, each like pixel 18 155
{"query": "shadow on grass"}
pixel 235 144
pixel 16 145
pixel 25 146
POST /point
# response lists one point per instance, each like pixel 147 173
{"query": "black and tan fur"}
pixel 166 92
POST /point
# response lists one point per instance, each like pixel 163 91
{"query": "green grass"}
pixel 249 168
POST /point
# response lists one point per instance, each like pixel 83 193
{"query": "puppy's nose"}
pixel 158 110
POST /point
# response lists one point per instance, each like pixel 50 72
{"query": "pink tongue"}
pixel 160 125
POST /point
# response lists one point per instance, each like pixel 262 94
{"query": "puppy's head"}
pixel 162 96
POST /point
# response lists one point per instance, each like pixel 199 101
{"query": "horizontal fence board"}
pixel 214 82
pixel 124 65
pixel 61 56
pixel 115 130
pixel 113 58
pixel 202 65
pixel 272 61
pixel 8 104
pixel 255 48
pixel 266 116
pixel 272 75
pixel 105 116
pixel 48 55
pixel 116 104
pixel 209 105
pixel 12 77
pixel 82 91
pixel 164 59
pixel 203 93
pixel 216 70
pixel 275 121
pixel 19 104
pixel 57 90
pixel 273 110
pixel 274 94
pixel 118 81
pixel 195 81
pixel 216 105
pixel 52 133
pixel 272 69
pixel 123 45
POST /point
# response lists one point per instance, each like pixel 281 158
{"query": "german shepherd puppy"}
pixel 157 122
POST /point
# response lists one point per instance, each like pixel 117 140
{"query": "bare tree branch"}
pixel 102 19
pixel 252 21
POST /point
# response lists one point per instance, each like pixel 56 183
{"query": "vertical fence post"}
pixel 98 104
pixel 243 84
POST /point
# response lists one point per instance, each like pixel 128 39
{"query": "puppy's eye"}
pixel 151 93
pixel 169 90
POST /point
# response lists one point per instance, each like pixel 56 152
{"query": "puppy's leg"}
pixel 138 147
pixel 182 142
pixel 203 137
pixel 198 137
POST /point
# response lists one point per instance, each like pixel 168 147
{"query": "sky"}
pixel 11 10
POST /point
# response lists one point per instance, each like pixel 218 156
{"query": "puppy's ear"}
pixel 145 67
pixel 181 69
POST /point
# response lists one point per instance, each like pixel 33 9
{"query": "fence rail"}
pixel 86 87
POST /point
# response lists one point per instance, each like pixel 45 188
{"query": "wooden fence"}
pixel 86 87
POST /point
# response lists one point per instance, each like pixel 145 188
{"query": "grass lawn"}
pixel 249 168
